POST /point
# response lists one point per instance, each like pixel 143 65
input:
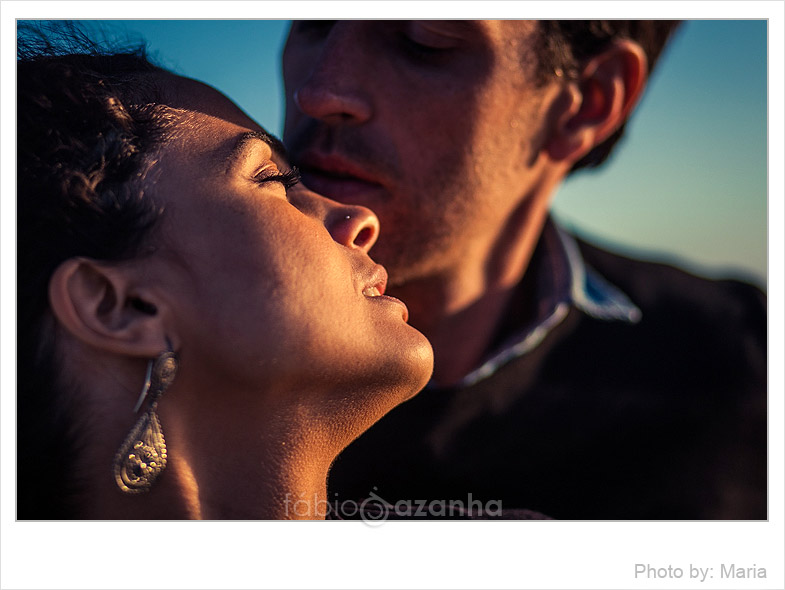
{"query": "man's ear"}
pixel 591 108
pixel 102 305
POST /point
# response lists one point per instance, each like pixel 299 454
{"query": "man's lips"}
pixel 335 166
pixel 336 177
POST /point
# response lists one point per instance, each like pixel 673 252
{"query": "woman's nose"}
pixel 352 226
pixel 333 91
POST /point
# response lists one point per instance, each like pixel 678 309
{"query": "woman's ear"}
pixel 101 305
pixel 591 108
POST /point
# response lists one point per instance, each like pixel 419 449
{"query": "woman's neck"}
pixel 287 493
pixel 291 487
pixel 218 479
pixel 219 467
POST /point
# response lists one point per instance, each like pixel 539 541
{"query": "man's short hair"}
pixel 564 45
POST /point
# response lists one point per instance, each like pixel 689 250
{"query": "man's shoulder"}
pixel 694 330
pixel 660 288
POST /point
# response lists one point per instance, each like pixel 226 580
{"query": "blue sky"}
pixel 687 185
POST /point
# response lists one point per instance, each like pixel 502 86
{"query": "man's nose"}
pixel 334 90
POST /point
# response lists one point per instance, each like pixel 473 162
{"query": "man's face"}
pixel 433 125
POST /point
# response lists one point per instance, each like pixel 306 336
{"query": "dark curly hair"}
pixel 88 126
pixel 563 45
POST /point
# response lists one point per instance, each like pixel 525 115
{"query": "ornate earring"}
pixel 142 456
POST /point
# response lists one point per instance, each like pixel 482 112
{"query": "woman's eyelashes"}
pixel 288 178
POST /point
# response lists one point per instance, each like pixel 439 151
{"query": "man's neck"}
pixel 460 310
pixel 460 338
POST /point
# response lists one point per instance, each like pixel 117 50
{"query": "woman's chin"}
pixel 421 366
pixel 402 375
pixel 408 374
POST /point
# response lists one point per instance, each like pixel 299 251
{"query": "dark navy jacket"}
pixel 663 417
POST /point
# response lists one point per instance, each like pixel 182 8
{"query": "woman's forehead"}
pixel 207 120
pixel 194 96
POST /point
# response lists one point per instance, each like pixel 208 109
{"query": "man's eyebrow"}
pixel 249 136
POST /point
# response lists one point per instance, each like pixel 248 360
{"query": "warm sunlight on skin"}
pixel 288 347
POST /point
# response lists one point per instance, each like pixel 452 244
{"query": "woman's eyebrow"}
pixel 241 145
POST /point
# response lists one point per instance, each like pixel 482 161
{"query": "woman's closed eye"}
pixel 288 178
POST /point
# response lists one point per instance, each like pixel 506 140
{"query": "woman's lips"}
pixel 375 288
pixel 376 282
pixel 387 299
pixel 372 292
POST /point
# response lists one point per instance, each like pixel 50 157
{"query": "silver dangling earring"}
pixel 142 456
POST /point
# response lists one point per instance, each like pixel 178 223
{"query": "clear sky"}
pixel 687 185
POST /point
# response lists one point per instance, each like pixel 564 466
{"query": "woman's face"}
pixel 274 300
